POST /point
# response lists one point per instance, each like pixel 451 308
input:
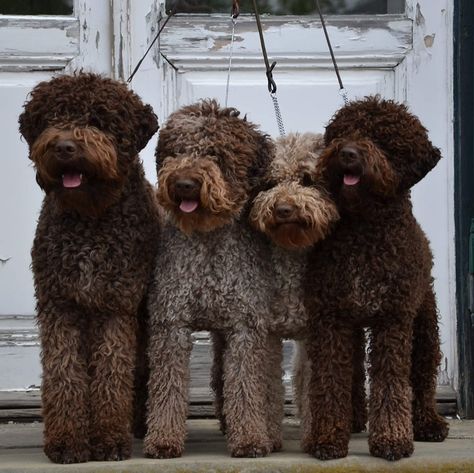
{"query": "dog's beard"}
pixel 214 205
pixel 313 218
pixel 88 182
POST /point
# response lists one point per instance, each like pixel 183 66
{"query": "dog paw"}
pixel 67 453
pixel 249 449
pixel 390 449
pixel 277 445
pixel 431 429
pixel 327 451
pixel 163 449
pixel 111 450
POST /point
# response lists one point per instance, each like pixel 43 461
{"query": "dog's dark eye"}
pixel 307 180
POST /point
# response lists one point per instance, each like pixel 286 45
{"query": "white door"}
pixel 36 41
pixel 402 52
pixel 405 52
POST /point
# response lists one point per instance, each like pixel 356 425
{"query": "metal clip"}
pixel 272 87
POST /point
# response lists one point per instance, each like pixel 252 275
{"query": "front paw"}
pixel 326 451
pixel 111 449
pixel 434 429
pixel 251 448
pixel 67 452
pixel 163 448
pixel 390 448
pixel 277 445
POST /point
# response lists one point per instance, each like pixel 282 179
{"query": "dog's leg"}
pixel 390 415
pixel 217 377
pixel 330 347
pixel 275 393
pixel 428 425
pixel 244 394
pixel 168 387
pixel 64 388
pixel 301 380
pixel 359 403
pixel 112 366
pixel 299 363
pixel 142 374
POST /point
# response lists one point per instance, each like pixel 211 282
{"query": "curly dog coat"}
pixel 295 212
pixel 92 257
pixel 374 271
pixel 217 276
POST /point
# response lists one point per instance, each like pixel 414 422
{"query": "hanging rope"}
pixel 342 90
pixel 233 16
pixel 151 45
pixel 272 87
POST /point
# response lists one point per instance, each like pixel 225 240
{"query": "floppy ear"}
pixel 265 151
pixel 147 126
pixel 422 158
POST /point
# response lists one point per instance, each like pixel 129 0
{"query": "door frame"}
pixel 464 194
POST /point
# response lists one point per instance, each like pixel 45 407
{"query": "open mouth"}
pixel 72 179
pixel 351 179
pixel 188 206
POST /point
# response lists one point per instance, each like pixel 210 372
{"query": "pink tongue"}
pixel 350 180
pixel 188 206
pixel 72 180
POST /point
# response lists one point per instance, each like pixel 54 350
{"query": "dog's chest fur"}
pixel 367 268
pixel 289 317
pixel 212 281
pixel 96 264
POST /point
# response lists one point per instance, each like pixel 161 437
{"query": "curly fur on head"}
pixel 394 131
pixel 357 171
pixel 210 162
pixel 84 131
pixel 294 212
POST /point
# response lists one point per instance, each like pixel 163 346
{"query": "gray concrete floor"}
pixel 20 451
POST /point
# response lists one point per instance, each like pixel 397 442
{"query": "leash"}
pixel 233 17
pixel 168 18
pixel 272 87
pixel 342 90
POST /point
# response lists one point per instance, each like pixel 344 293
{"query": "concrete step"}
pixel 20 452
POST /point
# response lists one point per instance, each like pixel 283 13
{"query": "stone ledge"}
pixel 20 452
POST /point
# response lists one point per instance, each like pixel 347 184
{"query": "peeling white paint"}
pixel 429 40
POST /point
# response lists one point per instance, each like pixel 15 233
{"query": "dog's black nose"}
pixel 349 154
pixel 65 149
pixel 186 186
pixel 284 211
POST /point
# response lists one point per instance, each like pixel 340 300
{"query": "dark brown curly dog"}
pixel 374 271
pixel 92 257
